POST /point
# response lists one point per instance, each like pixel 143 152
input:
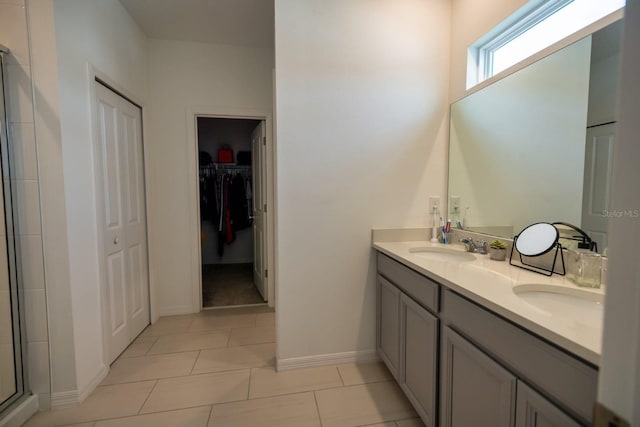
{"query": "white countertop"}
pixel 490 284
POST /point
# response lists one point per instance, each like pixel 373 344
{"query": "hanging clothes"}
pixel 225 200
pixel 238 201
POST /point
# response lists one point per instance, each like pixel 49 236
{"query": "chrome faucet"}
pixel 480 248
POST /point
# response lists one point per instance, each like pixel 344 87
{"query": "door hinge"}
pixel 266 273
pixel 264 140
pixel 265 208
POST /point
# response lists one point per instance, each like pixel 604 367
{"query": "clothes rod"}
pixel 225 166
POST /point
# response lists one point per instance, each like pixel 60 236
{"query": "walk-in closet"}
pixel 230 229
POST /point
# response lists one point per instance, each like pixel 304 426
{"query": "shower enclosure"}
pixel 12 373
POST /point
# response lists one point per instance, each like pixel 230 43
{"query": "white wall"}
pixel 362 101
pixel 619 386
pixel 100 33
pixel 517 147
pixel 188 78
pixel 470 20
pixel 68 35
pixel 603 90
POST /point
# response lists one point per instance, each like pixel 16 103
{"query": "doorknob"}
pixel 116 241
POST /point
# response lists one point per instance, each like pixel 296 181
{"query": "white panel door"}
pixel 135 221
pixel 597 179
pixel 258 141
pixel 121 214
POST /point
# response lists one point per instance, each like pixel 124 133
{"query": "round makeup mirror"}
pixel 537 239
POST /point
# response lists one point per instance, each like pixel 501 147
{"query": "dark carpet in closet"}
pixel 228 284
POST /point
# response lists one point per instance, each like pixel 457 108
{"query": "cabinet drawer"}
pixel 423 290
pixel 571 383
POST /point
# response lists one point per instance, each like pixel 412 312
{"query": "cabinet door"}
pixel 475 390
pixel 419 349
pixel 388 341
pixel 533 410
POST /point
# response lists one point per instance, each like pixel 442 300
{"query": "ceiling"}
pixel 237 22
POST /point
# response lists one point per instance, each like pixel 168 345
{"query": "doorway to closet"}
pixel 231 188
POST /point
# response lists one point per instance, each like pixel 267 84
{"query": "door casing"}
pixel 194 196
pixel 98 77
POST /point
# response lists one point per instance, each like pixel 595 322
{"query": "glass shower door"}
pixel 11 349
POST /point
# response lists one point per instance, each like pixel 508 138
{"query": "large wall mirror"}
pixel 537 145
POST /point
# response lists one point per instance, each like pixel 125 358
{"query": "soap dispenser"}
pixel 584 268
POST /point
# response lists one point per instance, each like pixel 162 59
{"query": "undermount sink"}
pixel 442 254
pixel 579 305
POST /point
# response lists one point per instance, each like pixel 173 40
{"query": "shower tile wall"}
pixel 14 35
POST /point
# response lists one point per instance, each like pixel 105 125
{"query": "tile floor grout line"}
pixel 146 353
pixel 410 418
pixel 173 377
pixel 130 382
pixel 324 389
pixel 313 390
pixel 153 355
pixel 194 362
pixel 211 414
pixel 340 374
pixel 139 414
pixel 237 369
pixel 194 406
pixel 178 352
pixel 315 398
pixel 253 343
pixel 249 387
pixel 148 396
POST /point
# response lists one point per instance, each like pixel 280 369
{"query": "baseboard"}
pixel 97 379
pixel 76 397
pixel 65 398
pixel 175 310
pixel 327 359
pixel 44 401
pixel 21 413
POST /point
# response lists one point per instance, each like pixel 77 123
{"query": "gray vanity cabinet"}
pixel 568 384
pixel 388 326
pixel 474 389
pixel 418 352
pixel 407 329
pixel 461 364
pixel 533 410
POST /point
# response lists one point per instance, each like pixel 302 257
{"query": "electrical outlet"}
pixel 455 204
pixel 434 201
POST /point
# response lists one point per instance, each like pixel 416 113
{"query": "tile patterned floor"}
pixel 216 369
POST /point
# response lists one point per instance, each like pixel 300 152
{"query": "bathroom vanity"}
pixel 477 342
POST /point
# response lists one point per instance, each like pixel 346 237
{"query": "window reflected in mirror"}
pixel 538 144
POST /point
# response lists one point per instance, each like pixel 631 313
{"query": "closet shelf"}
pixel 225 166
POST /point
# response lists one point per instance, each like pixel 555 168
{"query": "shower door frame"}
pixel 10 215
